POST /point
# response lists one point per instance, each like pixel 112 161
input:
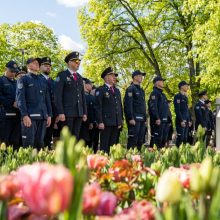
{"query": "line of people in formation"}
pixel 34 108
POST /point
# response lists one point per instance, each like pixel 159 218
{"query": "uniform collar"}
pixel 160 90
pixel 109 86
pixel 202 101
pixel 45 76
pixel 71 71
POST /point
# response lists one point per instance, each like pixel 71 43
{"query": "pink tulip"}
pixel 8 187
pixel 136 158
pixel 91 198
pixel 46 189
pixel 96 161
pixel 107 204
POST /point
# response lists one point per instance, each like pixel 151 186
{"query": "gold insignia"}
pixel 129 94
pixel 107 94
pixel 178 101
pixel 153 97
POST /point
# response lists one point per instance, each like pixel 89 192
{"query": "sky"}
pixel 60 15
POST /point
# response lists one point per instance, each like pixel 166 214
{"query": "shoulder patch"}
pixel 153 97
pixel 97 93
pixel 178 100
pixel 197 107
pixel 20 85
pixel 130 94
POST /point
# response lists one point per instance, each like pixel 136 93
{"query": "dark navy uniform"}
pixel 170 126
pixel 70 100
pixel 33 100
pixel 158 109
pixel 49 131
pixel 108 111
pixel 211 123
pixel 12 126
pixel 85 133
pixel 182 115
pixel 201 115
pixel 135 109
pixel 2 122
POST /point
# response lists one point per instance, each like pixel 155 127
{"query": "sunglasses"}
pixel 76 61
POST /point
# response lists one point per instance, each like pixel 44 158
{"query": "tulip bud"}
pixel 206 170
pixel 169 188
pixel 196 182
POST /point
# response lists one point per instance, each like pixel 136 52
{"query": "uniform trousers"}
pixel 34 135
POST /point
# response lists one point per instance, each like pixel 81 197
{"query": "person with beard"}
pixel 33 100
pixel 182 113
pixel 158 111
pixel 12 124
pixel 135 111
pixel 45 70
pixel 86 131
pixel 109 113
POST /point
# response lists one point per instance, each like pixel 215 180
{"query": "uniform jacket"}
pixel 181 108
pixel 33 97
pixel 7 96
pixel 69 95
pixel 108 106
pixel 51 89
pixel 158 105
pixel 201 114
pixel 134 103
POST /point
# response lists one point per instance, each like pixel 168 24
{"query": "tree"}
pixel 207 37
pixel 36 39
pixel 155 36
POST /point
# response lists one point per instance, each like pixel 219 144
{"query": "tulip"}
pixel 107 204
pixel 46 189
pixel 169 188
pixel 8 187
pixel 91 198
pixel 206 170
pixel 96 161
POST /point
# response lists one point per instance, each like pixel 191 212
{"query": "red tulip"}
pixel 46 189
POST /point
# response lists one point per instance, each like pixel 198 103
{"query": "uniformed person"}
pixel 158 111
pixel 201 111
pixel 170 125
pixel 22 71
pixel 33 100
pixel 45 70
pixel 109 115
pixel 135 111
pixel 211 123
pixel 12 126
pixel 70 96
pixel 182 113
pixel 86 130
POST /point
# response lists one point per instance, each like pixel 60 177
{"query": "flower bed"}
pixel 72 183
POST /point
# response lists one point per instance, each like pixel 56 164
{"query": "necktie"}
pixel 112 90
pixel 74 76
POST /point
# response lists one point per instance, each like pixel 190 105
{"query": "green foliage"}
pixel 36 39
